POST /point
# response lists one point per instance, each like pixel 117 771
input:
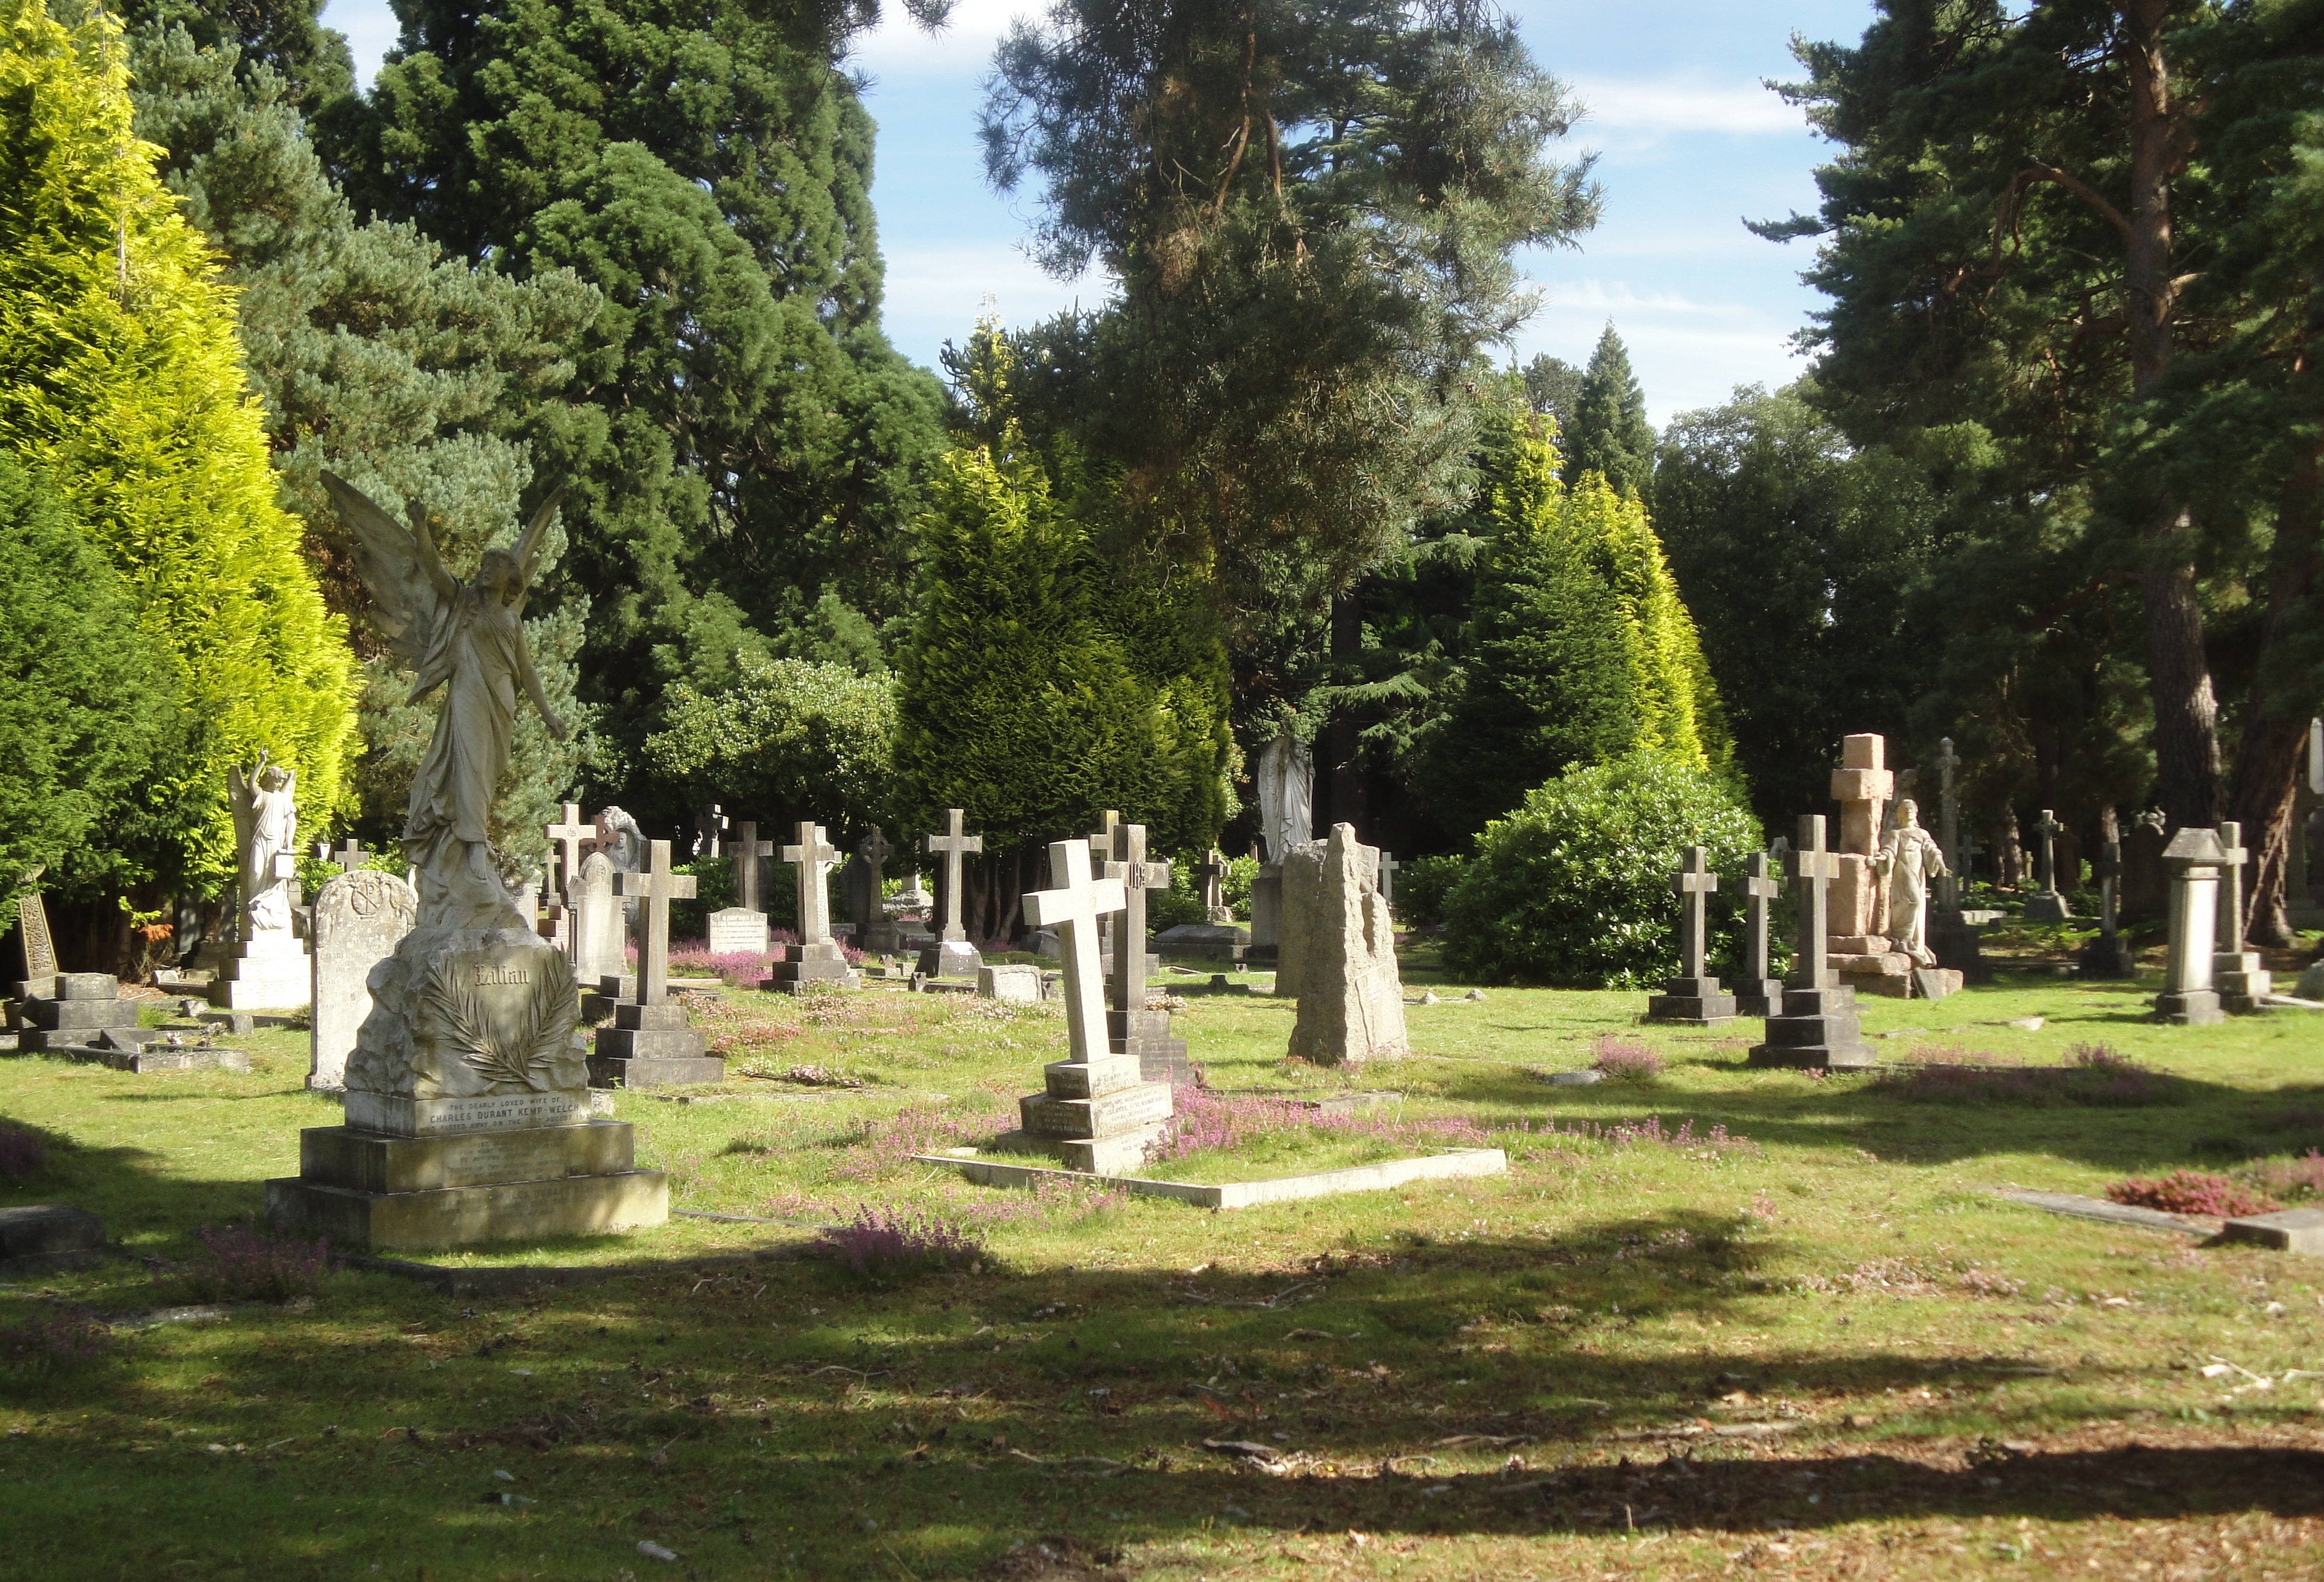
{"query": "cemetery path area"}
pixel 1714 1322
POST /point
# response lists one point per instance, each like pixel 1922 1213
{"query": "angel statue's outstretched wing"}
pixel 527 548
pixel 406 576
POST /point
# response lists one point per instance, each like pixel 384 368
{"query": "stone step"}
pixel 464 1215
pixel 368 1162
pixel 642 1072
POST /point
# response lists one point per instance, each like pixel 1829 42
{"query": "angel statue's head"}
pixel 500 574
pixel 271 777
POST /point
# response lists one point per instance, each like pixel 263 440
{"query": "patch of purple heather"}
pixel 1620 1061
pixel 240 1265
pixel 1208 1120
pixel 887 1242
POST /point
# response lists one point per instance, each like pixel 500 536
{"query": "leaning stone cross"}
pixel 33 918
pixel 2233 854
pixel 568 837
pixel 952 846
pixel 1695 883
pixel 815 855
pixel 1073 906
pixel 1129 864
pixel 1759 889
pixel 748 849
pixel 2045 855
pixel 1212 872
pixel 1812 870
pixel 657 887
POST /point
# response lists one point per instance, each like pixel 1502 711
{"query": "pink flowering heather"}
pixel 883 1145
pixel 1208 1120
pixel 1620 1061
pixel 2187 1191
pixel 54 1344
pixel 240 1265
pixel 2292 1180
pixel 889 1243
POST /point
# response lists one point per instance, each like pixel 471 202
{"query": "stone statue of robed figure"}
pixel 474 1016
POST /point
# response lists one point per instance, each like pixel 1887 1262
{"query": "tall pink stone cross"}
pixel 1862 785
pixel 1072 905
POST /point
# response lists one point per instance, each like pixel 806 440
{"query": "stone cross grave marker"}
pixel 748 849
pixel 32 918
pixel 1758 995
pixel 349 857
pixel 1387 867
pixel 2107 956
pixel 1073 906
pixel 2194 858
pixel 1949 838
pixel 569 837
pixel 1211 872
pixel 2046 905
pixel 814 856
pixel 875 930
pixel 2237 973
pixel 710 832
pixel 951 846
pixel 1692 999
pixel 1819 1026
pixel 1127 864
pixel 656 888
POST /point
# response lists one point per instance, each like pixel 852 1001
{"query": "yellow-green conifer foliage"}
pixel 120 375
pixel 1677 705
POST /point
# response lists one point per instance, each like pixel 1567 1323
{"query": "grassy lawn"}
pixel 1720 1322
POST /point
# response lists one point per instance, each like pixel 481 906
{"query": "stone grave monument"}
pixel 1947 896
pixel 600 925
pixel 1758 995
pixel 817 957
pixel 1819 1026
pixel 1859 948
pixel 2145 876
pixel 1343 940
pixel 741 930
pixel 951 958
pixel 58 1012
pixel 269 968
pixel 2237 975
pixel 2046 905
pixel 1097 1112
pixel 1211 874
pixel 2194 858
pixel 1131 1029
pixel 650 1043
pixel 1909 860
pixel 2109 955
pixel 876 933
pixel 39 945
pixel 1693 998
pixel 360 918
pixel 570 841
pixel 469 1117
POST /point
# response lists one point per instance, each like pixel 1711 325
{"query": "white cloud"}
pixel 1660 105
pixel 937 294
pixel 1688 352
pixel 899 47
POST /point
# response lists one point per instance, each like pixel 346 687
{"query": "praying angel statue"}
pixel 467 638
pixel 266 831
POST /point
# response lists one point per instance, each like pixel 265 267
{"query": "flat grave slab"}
pixel 2287 1230
pixel 1457 1164
pixel 2075 1206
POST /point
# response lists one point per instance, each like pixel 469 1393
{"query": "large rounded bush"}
pixel 1575 887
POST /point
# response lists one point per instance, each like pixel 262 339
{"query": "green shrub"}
pixel 1422 885
pixel 1574 888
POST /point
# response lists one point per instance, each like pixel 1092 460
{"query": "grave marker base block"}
pixel 2288 1230
pixel 951 958
pixel 796 965
pixel 2196 1008
pixel 2047 907
pixel 652 1046
pixel 1818 1028
pixel 1690 1002
pixel 1759 998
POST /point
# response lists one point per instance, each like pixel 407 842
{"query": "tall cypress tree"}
pixel 752 441
pixel 1609 434
pixel 121 377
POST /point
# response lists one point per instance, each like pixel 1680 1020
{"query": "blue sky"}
pixel 1689 143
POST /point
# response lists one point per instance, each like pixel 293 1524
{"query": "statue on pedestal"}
pixel 1909 859
pixel 265 830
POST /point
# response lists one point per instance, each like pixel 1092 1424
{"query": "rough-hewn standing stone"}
pixel 360 918
pixel 1350 997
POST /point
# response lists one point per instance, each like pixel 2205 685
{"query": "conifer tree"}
pixel 1609 434
pixel 120 377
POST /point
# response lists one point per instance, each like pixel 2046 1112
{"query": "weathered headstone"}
pixel 2237 975
pixel 40 946
pixel 1097 1111
pixel 2193 858
pixel 2146 877
pixel 1759 993
pixel 742 929
pixel 2109 955
pixel 875 932
pixel 1266 914
pixel 1211 872
pixel 1858 946
pixel 1819 1026
pixel 650 1043
pixel 360 918
pixel 1693 998
pixel 951 955
pixel 1340 933
pixel 2046 905
pixel 1018 982
pixel 1131 1029
pixel 817 957
pixel 600 928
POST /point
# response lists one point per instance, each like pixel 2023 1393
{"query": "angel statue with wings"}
pixel 467 638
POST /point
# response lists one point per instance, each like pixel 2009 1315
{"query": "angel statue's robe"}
pixel 479 651
pixel 272 821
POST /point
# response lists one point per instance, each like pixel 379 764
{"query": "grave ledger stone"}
pixel 741 930
pixel 651 1044
pixel 2237 975
pixel 2193 860
pixel 1097 1111
pixel 269 968
pixel 1819 1026
pixel 817 957
pixel 1858 946
pixel 467 1111
pixel 360 918
pixel 1759 993
pixel 1693 998
pixel 1341 939
pixel 951 955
